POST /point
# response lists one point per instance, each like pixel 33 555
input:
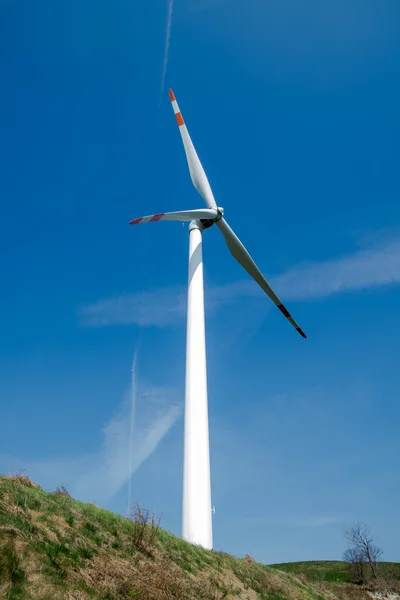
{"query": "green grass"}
pixel 52 546
pixel 330 571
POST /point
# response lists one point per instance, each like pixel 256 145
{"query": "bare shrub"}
pixel 248 558
pixel 145 528
pixel 61 491
pixel 357 565
pixel 362 555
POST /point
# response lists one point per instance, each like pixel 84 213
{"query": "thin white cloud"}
pixel 168 30
pixel 160 307
pixel 99 476
pixel 157 307
pixel 365 269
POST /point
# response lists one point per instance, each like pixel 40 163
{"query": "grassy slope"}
pixel 323 570
pixel 329 570
pixel 53 547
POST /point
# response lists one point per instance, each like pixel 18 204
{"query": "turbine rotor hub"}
pixel 206 223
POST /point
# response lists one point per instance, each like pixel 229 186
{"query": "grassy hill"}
pixel 53 547
pixel 334 571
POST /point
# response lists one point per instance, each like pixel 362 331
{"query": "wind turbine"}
pixel 196 507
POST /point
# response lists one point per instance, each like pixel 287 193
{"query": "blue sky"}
pixel 293 108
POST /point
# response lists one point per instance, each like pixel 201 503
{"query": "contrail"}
pixel 131 425
pixel 166 49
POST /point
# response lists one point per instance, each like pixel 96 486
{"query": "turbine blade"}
pixel 239 252
pixel 183 215
pixel 197 173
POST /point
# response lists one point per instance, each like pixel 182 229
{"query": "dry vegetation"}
pixel 53 547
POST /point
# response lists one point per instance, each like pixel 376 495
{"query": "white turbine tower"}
pixel 196 509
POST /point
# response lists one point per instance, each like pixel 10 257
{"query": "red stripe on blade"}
pixel 171 96
pixel 180 120
pixel 284 311
pixel 136 221
pixel 157 217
